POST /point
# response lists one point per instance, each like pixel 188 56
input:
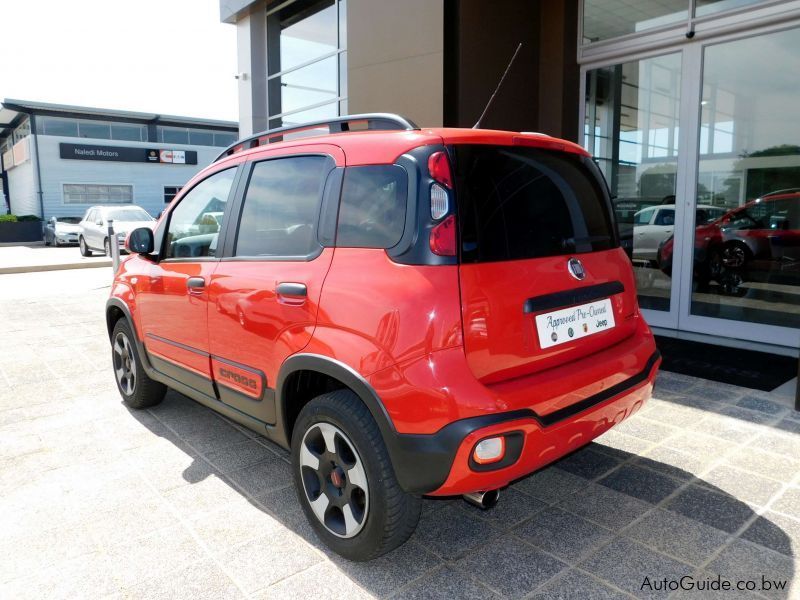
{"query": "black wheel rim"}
pixel 124 364
pixel 334 480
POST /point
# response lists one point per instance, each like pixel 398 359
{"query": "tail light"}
pixel 439 168
pixel 443 237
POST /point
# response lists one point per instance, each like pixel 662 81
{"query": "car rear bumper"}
pixel 439 463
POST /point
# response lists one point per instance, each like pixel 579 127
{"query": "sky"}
pixel 159 56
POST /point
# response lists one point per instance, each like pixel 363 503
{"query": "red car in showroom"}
pixel 409 311
pixel 763 234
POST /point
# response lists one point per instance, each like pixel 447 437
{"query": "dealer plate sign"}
pixel 561 326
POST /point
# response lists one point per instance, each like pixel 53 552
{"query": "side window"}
pixel 281 207
pixel 643 218
pixel 372 212
pixel 666 216
pixel 195 223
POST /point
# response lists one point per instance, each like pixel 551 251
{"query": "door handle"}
pixel 292 290
pixel 196 284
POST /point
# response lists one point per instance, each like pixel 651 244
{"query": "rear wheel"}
pixel 85 251
pixel 135 387
pixel 345 481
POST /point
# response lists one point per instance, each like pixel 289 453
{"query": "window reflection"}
pixel 632 130
pixel 746 264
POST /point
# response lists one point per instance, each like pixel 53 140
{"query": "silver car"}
pixel 94 226
pixel 59 231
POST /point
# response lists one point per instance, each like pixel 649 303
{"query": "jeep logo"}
pixel 240 379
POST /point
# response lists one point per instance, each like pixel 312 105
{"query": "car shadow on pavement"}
pixel 599 522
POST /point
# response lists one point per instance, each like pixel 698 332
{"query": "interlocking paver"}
pixel 178 502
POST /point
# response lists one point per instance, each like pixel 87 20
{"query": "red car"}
pixel 410 311
pixel 764 233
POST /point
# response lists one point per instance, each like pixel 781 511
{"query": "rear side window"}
pixel 666 216
pixel 520 203
pixel 281 207
pixel 372 211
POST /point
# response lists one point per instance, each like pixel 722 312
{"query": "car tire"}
pixel 337 448
pixel 85 251
pixel 46 240
pixel 107 247
pixel 136 388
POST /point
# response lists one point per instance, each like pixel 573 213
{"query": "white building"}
pixel 58 160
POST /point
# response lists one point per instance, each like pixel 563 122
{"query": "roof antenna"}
pixel 497 89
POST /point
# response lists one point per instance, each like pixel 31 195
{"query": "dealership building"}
pixel 58 160
pixel 688 106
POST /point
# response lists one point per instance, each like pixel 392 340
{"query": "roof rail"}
pixel 374 121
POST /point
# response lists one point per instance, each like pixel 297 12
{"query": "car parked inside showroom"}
pixel 408 311
pixel 60 231
pixel 93 236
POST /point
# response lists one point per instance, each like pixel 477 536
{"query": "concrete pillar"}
pixel 251 36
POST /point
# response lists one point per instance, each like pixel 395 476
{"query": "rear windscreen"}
pixel 516 203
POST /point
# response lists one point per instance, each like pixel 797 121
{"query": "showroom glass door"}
pixel 631 127
pixel 742 273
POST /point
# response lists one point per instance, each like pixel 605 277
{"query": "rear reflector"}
pixel 443 237
pixel 439 204
pixel 439 168
pixel 489 450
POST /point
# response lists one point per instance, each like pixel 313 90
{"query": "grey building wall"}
pixel 148 180
pixel 395 55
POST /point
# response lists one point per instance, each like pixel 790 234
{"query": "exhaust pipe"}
pixel 483 500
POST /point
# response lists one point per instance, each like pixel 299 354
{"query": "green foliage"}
pixel 8 219
pixel 23 218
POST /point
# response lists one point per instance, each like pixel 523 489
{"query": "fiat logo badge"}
pixel 575 268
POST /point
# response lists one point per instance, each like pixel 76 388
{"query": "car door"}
pixel 263 297
pixel 95 237
pixel 641 224
pixel 86 224
pixel 173 299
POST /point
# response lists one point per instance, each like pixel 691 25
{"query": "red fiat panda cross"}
pixel 410 311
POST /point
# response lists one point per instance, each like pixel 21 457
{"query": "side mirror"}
pixel 140 241
pixel 99 222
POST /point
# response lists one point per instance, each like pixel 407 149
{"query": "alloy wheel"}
pixel 334 480
pixel 124 364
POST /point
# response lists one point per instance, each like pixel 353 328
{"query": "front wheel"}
pixel 84 248
pixel 345 481
pixel 134 385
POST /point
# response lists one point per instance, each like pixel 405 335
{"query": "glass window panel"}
pixel 605 19
pixel 307 34
pixel 709 7
pixel 632 112
pixel 224 139
pixel 372 213
pixel 173 135
pixel 281 207
pixel 100 131
pixel 133 133
pixel 318 113
pixel 56 126
pixel 195 223
pixel 745 263
pixel 315 83
pixel 201 138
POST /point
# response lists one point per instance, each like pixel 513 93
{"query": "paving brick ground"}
pixel 176 502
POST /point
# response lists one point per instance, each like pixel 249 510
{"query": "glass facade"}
pixel 631 128
pixel 698 140
pixel 305 58
pixel 746 264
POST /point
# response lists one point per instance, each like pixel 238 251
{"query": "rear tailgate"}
pixel 543 281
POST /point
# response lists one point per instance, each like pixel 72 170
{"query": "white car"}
pixel 654 224
pixel 94 226
pixel 62 230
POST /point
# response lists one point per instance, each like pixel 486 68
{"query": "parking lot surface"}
pixel 176 502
